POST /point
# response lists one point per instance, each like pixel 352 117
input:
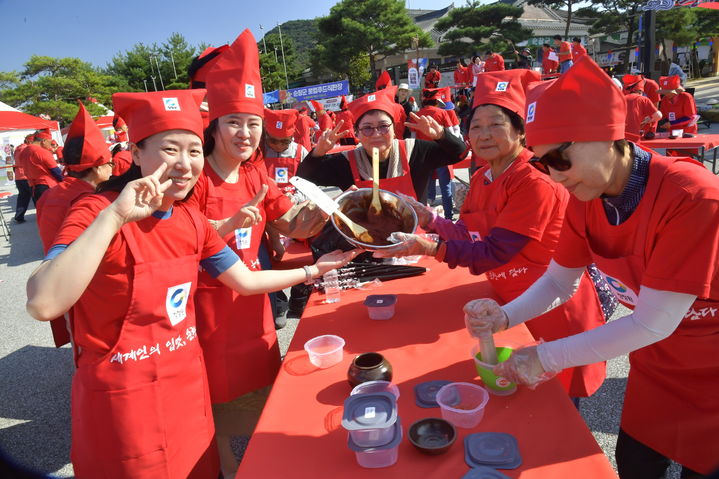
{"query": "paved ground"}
pixel 34 405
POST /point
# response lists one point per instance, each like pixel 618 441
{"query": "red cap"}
pixel 379 100
pixel 581 105
pixel 383 81
pixel 669 83
pixel 317 106
pixel 633 82
pixel 150 113
pixel 504 88
pixel 280 123
pixel 446 94
pixel 433 94
pixel 43 134
pixel 203 64
pixel 234 84
pixel 94 149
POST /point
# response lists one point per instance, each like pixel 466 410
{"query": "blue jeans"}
pixel 445 187
pixel 565 65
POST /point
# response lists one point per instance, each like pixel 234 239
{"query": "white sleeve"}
pixel 553 288
pixel 656 315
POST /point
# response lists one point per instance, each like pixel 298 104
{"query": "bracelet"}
pixel 308 275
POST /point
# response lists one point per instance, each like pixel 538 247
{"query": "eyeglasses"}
pixel 553 159
pixel 278 141
pixel 383 129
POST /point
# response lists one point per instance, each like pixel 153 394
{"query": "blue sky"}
pixel 95 30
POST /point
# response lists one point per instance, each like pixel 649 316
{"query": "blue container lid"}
pixel 425 394
pixel 496 449
pixel 369 411
pixel 396 439
pixel 380 300
pixel 484 472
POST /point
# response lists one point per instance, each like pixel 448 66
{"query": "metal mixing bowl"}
pixel 361 199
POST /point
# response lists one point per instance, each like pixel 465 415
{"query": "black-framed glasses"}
pixel 382 129
pixel 553 159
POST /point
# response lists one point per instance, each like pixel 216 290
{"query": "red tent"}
pixel 12 119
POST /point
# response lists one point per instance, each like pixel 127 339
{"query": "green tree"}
pixel 559 4
pixel 359 71
pixel 272 66
pixel 52 86
pixel 614 16
pixel 473 27
pixel 141 63
pixel 678 25
pixel 304 34
pixel 373 27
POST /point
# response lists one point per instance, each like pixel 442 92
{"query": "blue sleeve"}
pixel 54 251
pixel 684 119
pixel 491 252
pixel 57 173
pixel 220 262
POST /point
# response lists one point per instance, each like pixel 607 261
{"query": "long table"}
pixel 701 142
pixel 299 434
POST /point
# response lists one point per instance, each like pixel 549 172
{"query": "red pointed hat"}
pixel 343 103
pixel 379 100
pixel 669 83
pixel 633 82
pixel 149 113
pixel 201 65
pixel 317 106
pixel 118 122
pixel 234 84
pixel 504 88
pixel 383 81
pixel 43 134
pixel 433 94
pixel 94 148
pixel 581 105
pixel 281 123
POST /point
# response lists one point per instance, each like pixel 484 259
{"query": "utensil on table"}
pixel 375 208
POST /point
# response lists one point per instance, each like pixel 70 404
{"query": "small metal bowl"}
pixel 360 199
pixel 432 435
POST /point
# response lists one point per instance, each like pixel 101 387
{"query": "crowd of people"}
pixel 159 248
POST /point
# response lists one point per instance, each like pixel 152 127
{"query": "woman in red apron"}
pixel 281 153
pixel 510 221
pixel 127 262
pixel 405 165
pixel 88 163
pixel 240 199
pixel 651 224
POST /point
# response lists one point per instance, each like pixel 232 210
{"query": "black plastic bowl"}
pixel 432 435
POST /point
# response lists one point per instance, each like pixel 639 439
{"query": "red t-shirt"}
pixel 100 311
pixel 578 51
pixel 438 114
pixel 348 122
pixel 682 239
pixel 38 163
pixel 682 105
pixel 494 63
pixel 303 125
pixel 651 89
pixel 638 108
pixel 325 122
pixel 54 205
pixel 460 75
pixel 20 160
pixel 565 52
pixel 432 79
pixel 548 65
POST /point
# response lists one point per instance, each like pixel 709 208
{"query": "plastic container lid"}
pixel 497 449
pixel 369 411
pixel 396 439
pixel 375 387
pixel 380 300
pixel 484 472
pixel 425 394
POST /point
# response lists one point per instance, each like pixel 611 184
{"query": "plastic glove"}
pixel 411 245
pixel 425 215
pixel 483 314
pixel 524 367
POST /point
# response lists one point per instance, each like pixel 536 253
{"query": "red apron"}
pixel 399 184
pixel 671 403
pixel 143 409
pixel 581 313
pixel 237 332
pixel 282 169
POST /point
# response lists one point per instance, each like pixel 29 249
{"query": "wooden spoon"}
pixel 375 208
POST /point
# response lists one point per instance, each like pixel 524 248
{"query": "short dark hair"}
pixel 488 52
pixel 546 45
pixel 557 37
pixel 576 39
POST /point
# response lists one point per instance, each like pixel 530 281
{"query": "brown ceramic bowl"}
pixel 355 205
pixel 432 435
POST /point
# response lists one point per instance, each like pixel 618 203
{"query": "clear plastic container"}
pixel 331 284
pixel 381 456
pixel 370 418
pixel 325 351
pixel 462 404
pixel 677 133
pixel 496 385
pixel 381 306
pixel 376 387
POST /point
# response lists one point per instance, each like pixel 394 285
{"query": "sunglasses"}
pixel 370 130
pixel 553 159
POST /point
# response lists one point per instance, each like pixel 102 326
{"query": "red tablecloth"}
pixel 299 434
pixel 699 141
pixel 297 254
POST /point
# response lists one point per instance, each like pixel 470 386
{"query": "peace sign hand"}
pixel 140 198
pixel 426 125
pixel 249 214
pixel 328 139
